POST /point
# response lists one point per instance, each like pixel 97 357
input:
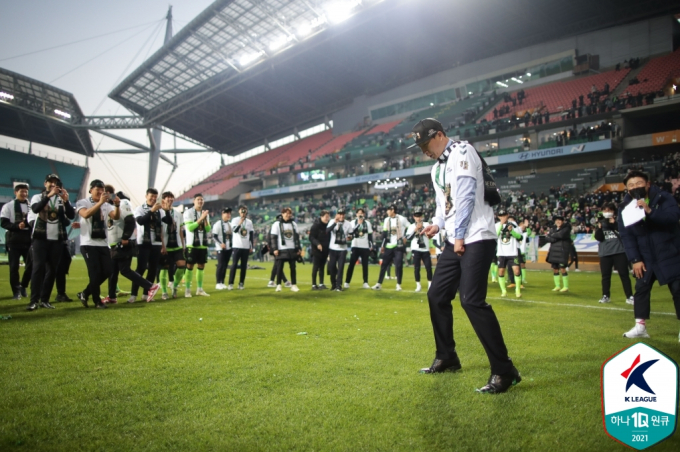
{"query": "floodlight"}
pixel 247 59
pixel 340 11
pixel 528 74
pixel 5 95
pixel 304 29
pixel 63 114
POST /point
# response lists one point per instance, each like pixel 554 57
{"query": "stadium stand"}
pixel 656 74
pixel 558 96
pixel 18 166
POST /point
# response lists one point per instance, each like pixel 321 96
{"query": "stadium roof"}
pixel 34 111
pixel 248 70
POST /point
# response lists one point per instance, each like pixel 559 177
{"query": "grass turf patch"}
pixel 152 376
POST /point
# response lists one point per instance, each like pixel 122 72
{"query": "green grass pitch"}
pixel 153 377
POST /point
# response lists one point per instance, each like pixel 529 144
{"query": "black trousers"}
pixel 63 269
pixel 467 274
pixel 46 257
pixel 275 271
pixel 148 259
pixel 336 267
pixel 358 253
pixel 574 256
pixel 223 257
pixel 643 292
pixel 240 255
pixel 395 255
pixel 16 253
pixel 98 261
pixel 279 275
pixel 620 263
pixel 318 266
pixel 423 256
pixel 123 266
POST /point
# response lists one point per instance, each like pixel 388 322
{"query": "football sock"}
pixel 188 276
pixel 501 282
pixel 556 278
pixel 494 271
pixel 117 288
pixel 179 273
pixel 641 322
pixel 163 279
pixel 518 287
pixel 199 278
pixel 565 281
pixel 524 275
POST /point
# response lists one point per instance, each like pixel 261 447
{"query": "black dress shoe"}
pixel 46 304
pixel 17 295
pixel 22 289
pixel 501 383
pixel 83 299
pixel 101 306
pixel 63 297
pixel 442 365
pixel 322 287
pixel 32 307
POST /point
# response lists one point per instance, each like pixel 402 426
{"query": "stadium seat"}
pixel 655 74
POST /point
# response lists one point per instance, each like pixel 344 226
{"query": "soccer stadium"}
pixel 337 124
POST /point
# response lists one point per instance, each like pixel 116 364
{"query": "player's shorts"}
pixel 557 266
pixel 503 261
pixel 197 255
pixel 172 257
pixel 522 258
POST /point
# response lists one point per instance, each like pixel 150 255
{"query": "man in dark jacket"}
pixel 652 245
pixel 558 256
pixel 14 218
pixel 320 243
pixel 612 254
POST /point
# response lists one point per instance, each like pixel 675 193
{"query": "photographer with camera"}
pixel 362 231
pixel 320 242
pixel 611 252
pixel 285 244
pixel 651 243
pixel 52 211
pixel 14 218
pixel 243 246
pixel 340 232
pixel 393 246
pixel 420 247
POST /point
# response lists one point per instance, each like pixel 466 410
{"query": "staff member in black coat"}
pixel 558 256
pixel 652 246
pixel 612 254
pixel 320 243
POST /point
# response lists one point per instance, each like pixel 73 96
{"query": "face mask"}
pixel 608 214
pixel 638 193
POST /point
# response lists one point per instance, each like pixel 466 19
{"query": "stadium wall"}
pixel 613 45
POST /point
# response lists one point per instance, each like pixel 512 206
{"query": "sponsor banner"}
pixel 659 139
pixel 584 243
pixel 639 396
pixel 562 151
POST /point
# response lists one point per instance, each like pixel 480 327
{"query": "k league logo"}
pixel 639 396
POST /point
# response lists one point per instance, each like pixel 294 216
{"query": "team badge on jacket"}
pixel 639 396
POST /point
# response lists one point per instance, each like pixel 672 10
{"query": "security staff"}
pixel 243 246
pixel 223 237
pixel 52 211
pixel 14 218
pixel 339 231
pixel 468 219
pixel 420 247
pixel 362 242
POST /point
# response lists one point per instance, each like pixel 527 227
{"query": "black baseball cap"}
pixel 558 217
pixel 122 195
pixel 340 211
pixel 424 130
pixel 96 183
pixel 502 213
pixel 226 210
pixel 417 211
pixel 51 177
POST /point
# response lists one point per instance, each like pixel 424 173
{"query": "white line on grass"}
pixel 521 300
